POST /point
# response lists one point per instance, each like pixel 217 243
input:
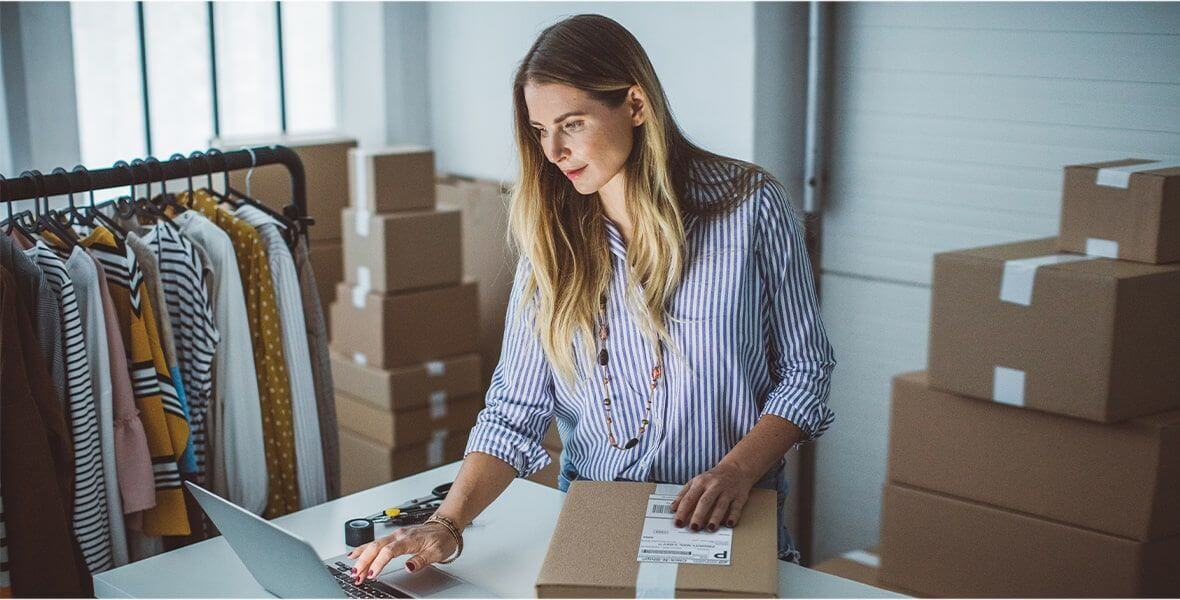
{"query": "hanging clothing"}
pixel 151 277
pixel 165 424
pixel 90 520
pixel 309 453
pixel 321 368
pixel 186 293
pixel 43 556
pixel 274 389
pixel 84 275
pixel 44 313
pixel 137 486
pixel 236 467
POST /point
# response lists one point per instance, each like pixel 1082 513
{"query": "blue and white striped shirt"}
pixel 747 322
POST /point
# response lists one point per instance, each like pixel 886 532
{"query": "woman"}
pixel 671 325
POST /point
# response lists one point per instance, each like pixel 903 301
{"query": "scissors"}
pixel 413 511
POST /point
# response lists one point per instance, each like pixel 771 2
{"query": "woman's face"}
pixel 587 140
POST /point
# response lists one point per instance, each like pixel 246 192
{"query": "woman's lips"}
pixel 574 174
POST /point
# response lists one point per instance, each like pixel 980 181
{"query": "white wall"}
pixel 702 52
pixel 951 125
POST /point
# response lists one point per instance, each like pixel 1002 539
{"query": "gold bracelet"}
pixel 450 525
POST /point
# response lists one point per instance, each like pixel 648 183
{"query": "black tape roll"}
pixel 358 532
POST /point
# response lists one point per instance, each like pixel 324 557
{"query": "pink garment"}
pixel 133 461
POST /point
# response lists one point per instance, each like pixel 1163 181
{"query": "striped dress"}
pixel 159 408
pixel 745 317
pixel 90 521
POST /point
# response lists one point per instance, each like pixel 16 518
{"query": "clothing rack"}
pixel 196 164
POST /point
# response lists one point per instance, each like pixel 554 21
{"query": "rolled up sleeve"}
pixel 800 356
pixel 519 403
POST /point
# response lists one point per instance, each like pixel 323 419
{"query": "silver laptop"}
pixel 288 567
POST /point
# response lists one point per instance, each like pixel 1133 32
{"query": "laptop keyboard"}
pixel 368 589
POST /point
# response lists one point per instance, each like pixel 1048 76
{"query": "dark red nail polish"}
pixel 696 527
pixel 354 570
pixel 370 573
pixel 712 527
pixel 410 567
pixel 729 523
pixel 679 523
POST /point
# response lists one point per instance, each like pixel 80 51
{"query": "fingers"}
pixel 735 510
pixel 719 513
pixel 704 509
pixel 377 554
pixel 687 502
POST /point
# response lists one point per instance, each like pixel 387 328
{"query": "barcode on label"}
pixel 663 509
pixel 650 551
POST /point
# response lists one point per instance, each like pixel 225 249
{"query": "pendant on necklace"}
pixel 631 443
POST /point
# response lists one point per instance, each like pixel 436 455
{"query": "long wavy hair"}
pixel 561 232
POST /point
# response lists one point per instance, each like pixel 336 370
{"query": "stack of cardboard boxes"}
pixel 325 166
pixel 1040 453
pixel 404 324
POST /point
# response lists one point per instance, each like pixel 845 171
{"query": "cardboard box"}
pixel 861 566
pixel 409 427
pixel 487 257
pixel 327 262
pixel 397 330
pixel 391 179
pixel 1127 209
pixel 365 463
pixel 402 251
pixel 594 547
pixel 547 476
pixel 325 167
pixel 948 547
pixel 1039 463
pixel 1093 338
pixel 406 388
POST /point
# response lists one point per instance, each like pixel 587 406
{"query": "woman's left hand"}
pixel 713 498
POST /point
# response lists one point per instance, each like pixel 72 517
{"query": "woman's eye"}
pixel 573 125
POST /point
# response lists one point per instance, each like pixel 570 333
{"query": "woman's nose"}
pixel 556 148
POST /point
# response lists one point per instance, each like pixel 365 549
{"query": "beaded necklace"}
pixel 657 372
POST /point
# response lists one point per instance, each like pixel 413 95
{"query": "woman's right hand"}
pixel 428 542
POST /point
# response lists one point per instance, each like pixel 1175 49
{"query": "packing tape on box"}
pixel 435 368
pixel 1016 284
pixel 1008 386
pixel 438 404
pixel 361 191
pixel 434 448
pixel 359 358
pixel 865 558
pixel 1120 177
pixel 362 222
pixel 658 580
pixel 364 283
pixel 1101 247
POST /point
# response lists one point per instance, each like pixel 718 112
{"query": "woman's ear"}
pixel 638 105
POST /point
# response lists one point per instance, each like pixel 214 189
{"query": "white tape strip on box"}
pixel 361 192
pixel 1120 177
pixel 1101 247
pixel 362 222
pixel 1016 284
pixel 436 368
pixel 438 404
pixel 865 558
pixel 364 283
pixel 434 448
pixel 1008 386
pixel 359 358
pixel 657 579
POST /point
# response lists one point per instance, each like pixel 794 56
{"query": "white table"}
pixel 504 549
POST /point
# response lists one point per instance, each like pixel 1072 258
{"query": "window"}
pixel 208 68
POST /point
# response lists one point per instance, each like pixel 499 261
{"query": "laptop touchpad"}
pixel 428 582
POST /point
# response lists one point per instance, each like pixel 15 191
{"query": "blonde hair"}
pixel 561 232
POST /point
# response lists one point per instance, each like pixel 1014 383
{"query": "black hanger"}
pixel 13 221
pixel 121 206
pixel 170 200
pixel 58 222
pixel 74 215
pixel 47 220
pixel 224 172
